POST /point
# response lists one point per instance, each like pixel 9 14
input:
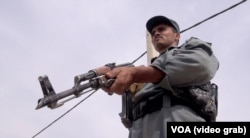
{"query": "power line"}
pixel 229 8
pixel 63 114
pixel 213 16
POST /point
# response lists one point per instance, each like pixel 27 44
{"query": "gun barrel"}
pixel 96 80
pixel 51 101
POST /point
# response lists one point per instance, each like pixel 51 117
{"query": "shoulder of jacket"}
pixel 195 43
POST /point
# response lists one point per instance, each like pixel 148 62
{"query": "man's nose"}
pixel 157 33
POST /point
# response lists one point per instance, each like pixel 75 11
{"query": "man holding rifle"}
pixel 176 85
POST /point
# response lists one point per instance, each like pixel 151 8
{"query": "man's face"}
pixel 163 36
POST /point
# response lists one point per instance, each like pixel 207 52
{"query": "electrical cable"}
pixel 213 16
pixel 63 114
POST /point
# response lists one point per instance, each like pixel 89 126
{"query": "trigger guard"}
pixel 109 82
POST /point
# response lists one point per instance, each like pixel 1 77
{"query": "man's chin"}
pixel 160 47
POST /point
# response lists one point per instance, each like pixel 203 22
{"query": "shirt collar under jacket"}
pixel 168 49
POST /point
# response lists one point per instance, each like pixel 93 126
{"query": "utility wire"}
pixel 213 16
pixel 229 8
pixel 63 114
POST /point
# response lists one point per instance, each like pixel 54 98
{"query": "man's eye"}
pixel 161 29
pixel 153 32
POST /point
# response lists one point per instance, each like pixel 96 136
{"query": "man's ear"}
pixel 177 37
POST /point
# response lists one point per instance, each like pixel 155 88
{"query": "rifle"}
pixel 95 77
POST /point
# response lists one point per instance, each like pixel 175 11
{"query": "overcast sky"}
pixel 64 38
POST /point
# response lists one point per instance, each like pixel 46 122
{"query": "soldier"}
pixel 176 84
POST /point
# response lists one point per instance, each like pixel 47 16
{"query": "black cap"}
pixel 156 20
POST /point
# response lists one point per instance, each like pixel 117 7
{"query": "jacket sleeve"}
pixel 193 63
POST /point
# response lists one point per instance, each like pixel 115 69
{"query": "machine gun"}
pixel 95 78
